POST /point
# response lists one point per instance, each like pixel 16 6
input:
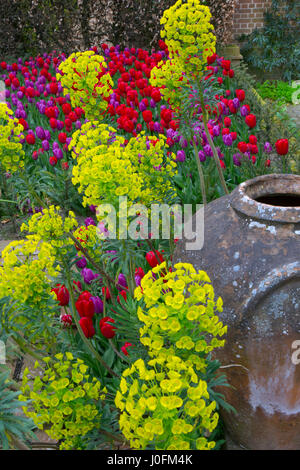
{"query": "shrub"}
pixel 276 46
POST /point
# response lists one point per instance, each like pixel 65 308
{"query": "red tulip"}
pixel 282 146
pixel 106 292
pixel 53 123
pixel 124 348
pixel 106 329
pixel 240 94
pixel 23 123
pixel 253 139
pixel 30 139
pixel 226 64
pixel 123 293
pixel 85 306
pixel 53 160
pixel 62 294
pixel 242 146
pixel 53 88
pixel 62 137
pixel 66 319
pixel 147 115
pixel 153 258
pixel 250 120
pixel 227 122
pixel 87 326
pixel 66 108
pixel 166 115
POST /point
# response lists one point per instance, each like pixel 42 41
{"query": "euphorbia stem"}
pixel 33 193
pixel 101 271
pixel 84 339
pixel 200 172
pixel 212 145
pixel 117 352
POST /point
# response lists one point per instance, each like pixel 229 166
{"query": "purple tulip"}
pixel 81 263
pixel 58 153
pixel 180 156
pixel 60 125
pixel 244 111
pixel 40 133
pixel 152 103
pixel 208 150
pixel 237 159
pixel 45 145
pixel 98 304
pixel 268 147
pixel 202 156
pixel 142 106
pixel 138 279
pixel 236 103
pixel 47 134
pixel 88 275
pixel 227 139
pixel 157 127
pixel 89 221
pixel 122 281
pixel 216 131
pixel 170 133
pixel 183 142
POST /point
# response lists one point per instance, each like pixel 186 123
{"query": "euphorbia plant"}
pixel 187 33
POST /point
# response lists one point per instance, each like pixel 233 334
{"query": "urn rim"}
pixel 244 198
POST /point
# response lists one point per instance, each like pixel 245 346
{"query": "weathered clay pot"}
pixel 252 254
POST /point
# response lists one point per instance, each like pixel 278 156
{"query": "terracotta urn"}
pixel 252 254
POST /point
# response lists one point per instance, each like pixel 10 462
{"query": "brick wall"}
pixel 248 15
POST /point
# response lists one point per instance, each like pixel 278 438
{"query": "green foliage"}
pixel 274 122
pixel 276 90
pixel 12 425
pixel 65 400
pixel 276 46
